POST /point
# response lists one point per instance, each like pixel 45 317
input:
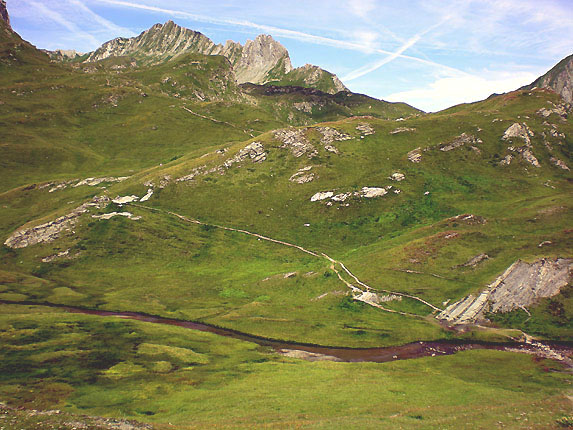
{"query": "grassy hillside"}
pixel 257 201
pixel 407 242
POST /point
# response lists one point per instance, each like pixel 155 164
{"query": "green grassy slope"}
pixel 406 242
pixel 158 124
pixel 104 366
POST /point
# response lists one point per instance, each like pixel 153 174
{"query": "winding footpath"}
pixel 530 346
pixel 358 293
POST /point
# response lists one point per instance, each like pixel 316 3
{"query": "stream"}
pixel 560 351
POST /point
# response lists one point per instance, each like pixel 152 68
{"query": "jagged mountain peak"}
pixel 262 59
pixel 259 61
pixel 155 45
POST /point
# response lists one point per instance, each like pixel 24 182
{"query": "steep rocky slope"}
pixel 558 79
pixel 4 13
pixel 520 286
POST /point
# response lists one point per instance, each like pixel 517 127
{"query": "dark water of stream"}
pixel 316 352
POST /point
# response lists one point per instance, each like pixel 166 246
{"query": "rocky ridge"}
pixel 558 79
pixel 63 55
pixel 259 61
pixel 52 230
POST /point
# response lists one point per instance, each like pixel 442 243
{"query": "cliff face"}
pixel 260 61
pixel 4 13
pixel 558 79
pixel 260 57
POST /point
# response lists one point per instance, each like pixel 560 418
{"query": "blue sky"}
pixel 429 53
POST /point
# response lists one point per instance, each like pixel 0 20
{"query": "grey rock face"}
pixel 260 61
pixel 251 63
pixel 519 286
pixel 63 55
pixel 558 79
pixel 4 13
pixel 259 57
pixel 157 44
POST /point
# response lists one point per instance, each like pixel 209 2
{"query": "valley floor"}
pixel 173 378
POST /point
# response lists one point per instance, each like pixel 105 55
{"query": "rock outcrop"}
pixel 415 155
pixel 114 214
pixel 303 176
pixel 561 110
pixel 52 230
pixel 397 176
pixel 295 140
pixel 365 129
pixel 255 151
pixel 330 135
pixel 521 131
pixel 460 140
pixel 559 163
pixel 521 285
pixel 365 192
pixel 518 130
pixel 92 182
pixel 402 130
pixel 558 79
pixel 4 14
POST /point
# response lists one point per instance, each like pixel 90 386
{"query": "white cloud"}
pixel 367 39
pixel 361 8
pixel 450 91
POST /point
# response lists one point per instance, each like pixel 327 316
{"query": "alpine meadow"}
pixel 203 236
